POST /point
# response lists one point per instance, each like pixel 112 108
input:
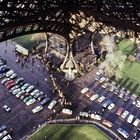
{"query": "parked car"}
pixel 13 88
pixel 94 97
pixel 9 82
pixel 84 90
pixel 42 97
pixel 2 128
pixel 136 122
pixel 2 75
pixel 123 133
pixel 6 108
pixel 30 88
pixel 120 110
pixel 107 123
pixel 16 91
pixel 34 92
pixel 19 80
pixel 99 72
pixel 88 94
pixel 130 118
pixel 138 103
pixel 7 137
pixel 102 79
pixel 67 111
pixel 124 114
pixel 101 99
pixel 107 103
pixel 21 84
pixel 84 114
pixel 9 73
pixel 25 86
pixel 52 104
pixel 20 93
pixel 105 85
pixel 10 86
pixel 5 80
pixel 96 117
pixel 111 106
pixel 3 133
pixel 37 109
pixel 26 99
pixel 13 76
pixel 112 89
pixel 31 101
pixel 45 101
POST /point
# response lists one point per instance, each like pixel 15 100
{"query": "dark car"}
pixel 21 84
pixel 4 69
pixel 45 101
pixel 40 98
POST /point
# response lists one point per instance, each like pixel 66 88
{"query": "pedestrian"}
pixel 37 83
pixel 5 50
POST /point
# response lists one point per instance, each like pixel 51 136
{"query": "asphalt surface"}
pixel 23 121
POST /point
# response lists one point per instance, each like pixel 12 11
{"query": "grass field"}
pixel 131 72
pixel 63 132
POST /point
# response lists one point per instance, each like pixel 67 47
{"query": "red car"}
pixel 119 112
pixel 10 85
pixel 89 94
pixel 9 82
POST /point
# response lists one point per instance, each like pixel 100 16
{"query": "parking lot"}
pixel 21 118
pixel 86 105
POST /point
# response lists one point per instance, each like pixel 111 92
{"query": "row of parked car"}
pixel 23 90
pixel 116 89
pixel 4 135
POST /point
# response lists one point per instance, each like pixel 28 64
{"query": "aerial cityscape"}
pixel 69 70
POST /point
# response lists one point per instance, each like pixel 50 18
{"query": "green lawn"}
pixel 67 132
pixel 127 47
pixel 131 72
pixel 131 78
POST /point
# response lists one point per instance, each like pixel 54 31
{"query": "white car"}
pixel 84 90
pixel 84 114
pixel 99 72
pixel 37 109
pixel 111 106
pixel 7 108
pixel 124 114
pixel 31 101
pixel 7 137
pixel 102 79
pixel 3 133
pixel 94 97
pixel 16 91
pixel 123 133
pixel 138 104
pixel 13 76
pixel 67 111
pixel 130 118
pixel 96 117
pixel 25 86
pixel 52 104
pixel 30 88
pixel 9 73
pixel 112 89
pixel 136 122
pixel 101 99
pixel 34 92
pixel 105 85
